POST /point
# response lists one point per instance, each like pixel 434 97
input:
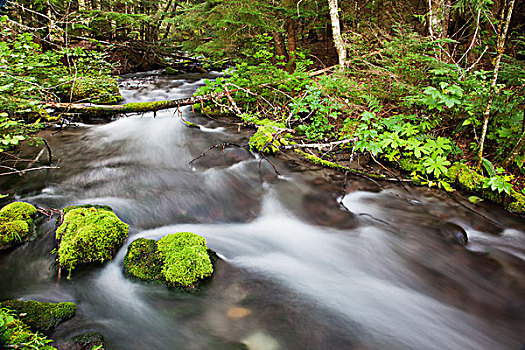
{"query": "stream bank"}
pixel 298 271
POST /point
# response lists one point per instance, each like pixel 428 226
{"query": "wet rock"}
pixel 85 341
pixel 89 234
pixel 16 224
pixel 324 210
pixel 454 233
pixel 180 260
pixel 237 313
pixel 41 316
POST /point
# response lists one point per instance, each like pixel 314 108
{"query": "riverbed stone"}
pixel 89 234
pixel 16 224
pixel 84 341
pixel 40 316
pixel 180 260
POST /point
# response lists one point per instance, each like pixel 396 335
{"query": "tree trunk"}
pixel 280 48
pixel 336 32
pixel 438 21
pixel 292 45
pixel 500 48
pixel 134 107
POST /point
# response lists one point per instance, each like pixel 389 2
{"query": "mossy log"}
pixel 133 107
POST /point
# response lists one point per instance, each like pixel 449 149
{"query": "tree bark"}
pixel 500 48
pixel 336 32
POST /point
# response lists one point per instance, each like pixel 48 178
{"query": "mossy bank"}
pixel 16 224
pixel 40 316
pixel 89 234
pixel 180 260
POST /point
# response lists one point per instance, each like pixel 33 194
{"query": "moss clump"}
pixel 16 334
pixel 181 260
pixel 185 257
pixel 89 235
pixel 172 71
pixel 99 90
pixel 16 224
pixel 142 260
pixel 41 316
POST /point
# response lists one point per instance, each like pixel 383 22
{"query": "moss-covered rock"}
pixel 185 257
pixel 180 260
pixel 99 90
pixel 15 334
pixel 88 235
pixel 143 261
pixel 40 316
pixel 16 224
pixel 96 206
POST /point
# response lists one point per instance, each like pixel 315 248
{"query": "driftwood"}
pixel 133 107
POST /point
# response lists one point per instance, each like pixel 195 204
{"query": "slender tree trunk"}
pixel 280 48
pixel 438 21
pixel 336 32
pixel 292 44
pixel 500 48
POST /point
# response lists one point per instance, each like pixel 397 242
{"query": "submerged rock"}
pixel 454 233
pixel 180 260
pixel 40 316
pixel 16 224
pixel 89 234
pixel 85 341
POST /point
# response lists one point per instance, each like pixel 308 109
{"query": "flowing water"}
pixel 298 270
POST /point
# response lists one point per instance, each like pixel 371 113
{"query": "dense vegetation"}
pixel 423 86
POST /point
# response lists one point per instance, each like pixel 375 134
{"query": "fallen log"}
pixel 92 109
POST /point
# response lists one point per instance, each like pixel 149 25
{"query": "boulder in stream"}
pixel 40 316
pixel 16 224
pixel 181 260
pixel 89 234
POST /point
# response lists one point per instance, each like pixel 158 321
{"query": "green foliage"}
pixel 40 316
pixel 89 235
pixel 185 257
pixel 16 334
pixel 16 224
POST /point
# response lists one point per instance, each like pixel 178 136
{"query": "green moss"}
pixel 142 261
pixel 99 90
pixel 16 224
pixel 89 235
pixel 172 71
pixel 96 206
pixel 16 334
pixel 518 204
pixel 471 181
pixel 181 260
pixel 185 257
pixel 41 316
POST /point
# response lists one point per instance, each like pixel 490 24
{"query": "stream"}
pixel 298 270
